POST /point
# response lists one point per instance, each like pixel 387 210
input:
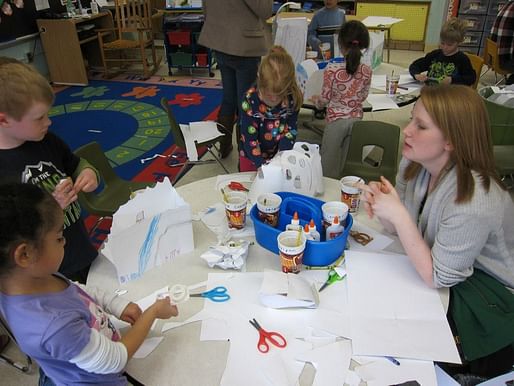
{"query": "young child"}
pixel 270 111
pixel 56 322
pixel 31 154
pixel 328 16
pixel 345 87
pixel 446 64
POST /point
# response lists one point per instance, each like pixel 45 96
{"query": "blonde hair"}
pixel 453 31
pixel 277 75
pixel 20 87
pixel 461 115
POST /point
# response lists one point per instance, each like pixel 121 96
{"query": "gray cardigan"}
pixel 236 27
pixel 478 233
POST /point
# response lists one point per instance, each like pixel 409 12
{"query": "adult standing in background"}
pixel 503 34
pixel 235 31
pixel 328 16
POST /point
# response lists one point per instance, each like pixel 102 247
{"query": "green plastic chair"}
pixel 181 144
pixel 385 138
pixel 501 118
pixel 114 192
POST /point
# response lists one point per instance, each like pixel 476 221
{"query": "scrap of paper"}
pixel 147 347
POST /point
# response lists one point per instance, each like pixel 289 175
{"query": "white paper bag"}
pixel 149 230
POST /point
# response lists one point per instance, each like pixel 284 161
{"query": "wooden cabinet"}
pixel 71 45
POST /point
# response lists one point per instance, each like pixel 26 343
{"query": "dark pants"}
pixel 44 380
pixel 238 73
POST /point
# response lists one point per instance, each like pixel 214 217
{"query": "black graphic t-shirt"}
pixel 439 66
pixel 45 163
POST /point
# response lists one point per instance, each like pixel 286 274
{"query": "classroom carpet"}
pixel 126 118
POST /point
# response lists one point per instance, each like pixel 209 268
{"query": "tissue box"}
pixel 317 253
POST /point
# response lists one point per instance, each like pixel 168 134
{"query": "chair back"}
pixel 132 15
pixel 491 58
pixel 178 137
pixel 385 137
pixel 476 62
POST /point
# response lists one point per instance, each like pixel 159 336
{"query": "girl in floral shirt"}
pixel 270 111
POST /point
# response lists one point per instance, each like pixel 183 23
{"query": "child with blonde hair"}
pixel 269 111
pixel 345 88
pixel 62 325
pixel 446 64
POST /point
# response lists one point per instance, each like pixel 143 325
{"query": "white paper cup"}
pixel 268 206
pixel 235 209
pixel 350 194
pixel 392 84
pixel 291 250
pixel 332 209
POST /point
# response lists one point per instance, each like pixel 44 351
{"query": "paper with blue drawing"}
pixel 149 230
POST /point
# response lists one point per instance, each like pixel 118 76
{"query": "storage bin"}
pixel 474 6
pixel 473 22
pixel 501 118
pixel 472 38
pixel 317 253
pixel 495 6
pixel 201 59
pixel 181 59
pixel 179 38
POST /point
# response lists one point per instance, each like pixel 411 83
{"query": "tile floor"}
pixel 400 117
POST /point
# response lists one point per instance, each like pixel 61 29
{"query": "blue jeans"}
pixel 44 380
pixel 238 73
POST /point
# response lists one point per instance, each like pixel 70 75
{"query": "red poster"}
pixel 453 8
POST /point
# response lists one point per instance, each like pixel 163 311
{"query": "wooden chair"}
pixel 492 60
pixel 477 63
pixel 180 142
pixel 131 41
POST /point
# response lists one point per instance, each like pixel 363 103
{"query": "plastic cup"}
pixel 350 194
pixel 332 209
pixel 291 245
pixel 392 83
pixel 235 209
pixel 325 51
pixel 268 206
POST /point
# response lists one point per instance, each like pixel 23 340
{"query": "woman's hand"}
pixel 421 77
pixel 131 313
pixel 86 181
pixel 64 193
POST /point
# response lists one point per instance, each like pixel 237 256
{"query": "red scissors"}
pixel 237 186
pixel 272 337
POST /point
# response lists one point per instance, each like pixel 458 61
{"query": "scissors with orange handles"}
pixel 237 186
pixel 267 337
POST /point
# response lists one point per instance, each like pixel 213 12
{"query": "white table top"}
pixel 181 358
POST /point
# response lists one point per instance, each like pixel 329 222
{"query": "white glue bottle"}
pixel 334 230
pixel 94 7
pixel 307 232
pixel 295 224
pixel 314 233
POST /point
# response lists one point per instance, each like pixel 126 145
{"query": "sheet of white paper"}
pixel 331 362
pixel 41 4
pixel 498 90
pixel 147 301
pixel 397 314
pixel 282 290
pixel 192 152
pixel 222 180
pixel 375 21
pixel 381 372
pixel 378 81
pixel 500 380
pixel 292 35
pixel 378 243
pixel 381 102
pixel 443 379
pixel 147 347
pixel 204 131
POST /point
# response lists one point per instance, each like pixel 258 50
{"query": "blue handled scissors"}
pixel 333 276
pixel 217 294
pixel 272 337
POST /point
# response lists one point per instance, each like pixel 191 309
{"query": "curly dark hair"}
pixel 27 213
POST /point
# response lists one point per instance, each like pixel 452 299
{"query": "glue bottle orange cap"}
pixel 336 220
pixel 312 224
pixel 295 220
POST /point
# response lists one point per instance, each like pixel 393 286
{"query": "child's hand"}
pixel 64 193
pixel 421 77
pixel 86 181
pixel 131 313
pixel 164 309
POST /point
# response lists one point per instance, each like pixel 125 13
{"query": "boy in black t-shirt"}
pixel 31 154
pixel 446 64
